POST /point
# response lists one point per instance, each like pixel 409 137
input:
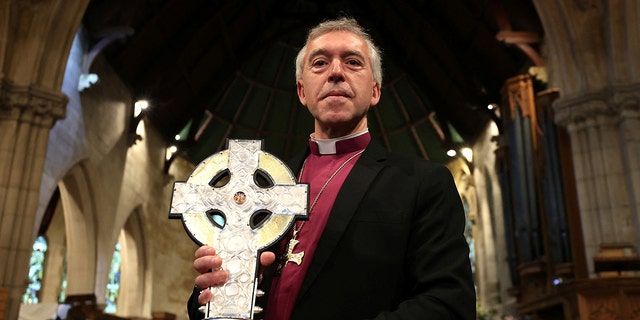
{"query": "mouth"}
pixel 335 93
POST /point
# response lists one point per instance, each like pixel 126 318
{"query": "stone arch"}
pixel 78 202
pixel 39 37
pixel 56 256
pixel 463 174
pixel 488 294
pixel 135 278
pixel 35 37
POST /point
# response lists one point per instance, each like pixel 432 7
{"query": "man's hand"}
pixel 209 265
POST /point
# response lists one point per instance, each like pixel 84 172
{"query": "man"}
pixel 384 238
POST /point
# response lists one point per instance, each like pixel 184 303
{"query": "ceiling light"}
pixel 467 153
pixel 139 107
pixel 170 152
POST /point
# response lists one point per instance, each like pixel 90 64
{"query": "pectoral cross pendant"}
pixel 294 257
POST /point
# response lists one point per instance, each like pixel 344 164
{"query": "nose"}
pixel 336 73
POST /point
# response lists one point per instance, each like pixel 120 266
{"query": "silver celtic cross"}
pixel 239 201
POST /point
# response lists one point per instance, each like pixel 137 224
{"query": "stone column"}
pixel 593 50
pixel 604 139
pixel 35 38
pixel 26 116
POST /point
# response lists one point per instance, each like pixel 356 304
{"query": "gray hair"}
pixel 349 25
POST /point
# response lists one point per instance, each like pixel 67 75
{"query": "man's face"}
pixel 337 84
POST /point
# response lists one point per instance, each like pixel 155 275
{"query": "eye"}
pixel 354 62
pixel 318 63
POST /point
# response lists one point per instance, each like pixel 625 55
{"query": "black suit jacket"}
pixel 393 247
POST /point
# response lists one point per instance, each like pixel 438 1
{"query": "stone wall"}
pixel 90 159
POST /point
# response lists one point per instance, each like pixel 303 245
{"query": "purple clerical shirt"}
pixel 329 161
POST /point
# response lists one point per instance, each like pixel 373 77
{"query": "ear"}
pixel 301 95
pixel 375 95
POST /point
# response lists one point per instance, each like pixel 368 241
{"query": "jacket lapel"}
pixel 353 190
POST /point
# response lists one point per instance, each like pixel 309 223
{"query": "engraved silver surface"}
pixel 235 239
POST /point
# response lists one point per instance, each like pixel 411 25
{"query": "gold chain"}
pixel 324 186
pixel 297 257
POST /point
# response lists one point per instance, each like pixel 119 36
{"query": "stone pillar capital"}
pixel 571 110
pixel 617 100
pixel 31 103
pixel 627 100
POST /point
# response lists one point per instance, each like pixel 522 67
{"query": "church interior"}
pixel 533 105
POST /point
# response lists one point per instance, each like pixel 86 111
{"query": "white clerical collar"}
pixel 328 146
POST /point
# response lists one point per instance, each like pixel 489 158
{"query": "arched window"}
pixel 468 234
pixel 62 296
pixel 113 285
pixel 36 270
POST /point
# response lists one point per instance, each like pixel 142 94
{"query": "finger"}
pixel 207 263
pixel 211 279
pixel 205 251
pixel 205 296
pixel 267 258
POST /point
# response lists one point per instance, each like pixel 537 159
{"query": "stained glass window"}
pixel 63 283
pixel 113 286
pixel 468 234
pixel 36 270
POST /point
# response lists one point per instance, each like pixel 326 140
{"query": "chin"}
pixel 337 119
pixel 342 122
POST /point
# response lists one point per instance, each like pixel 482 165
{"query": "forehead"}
pixel 338 41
